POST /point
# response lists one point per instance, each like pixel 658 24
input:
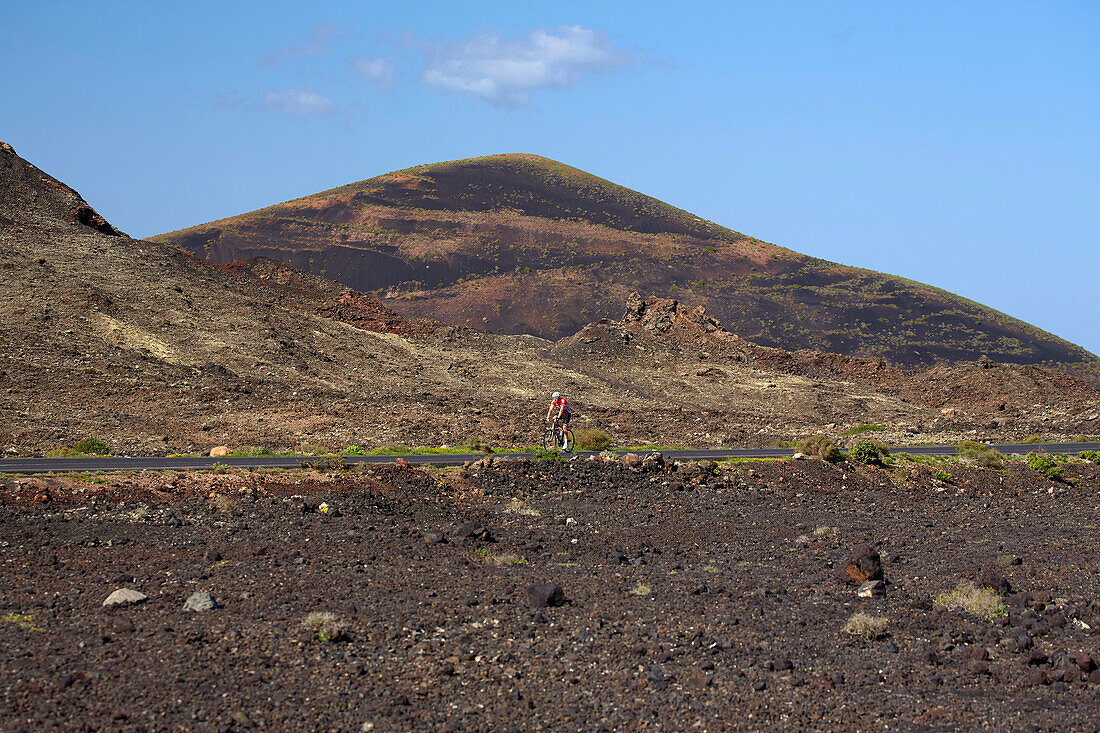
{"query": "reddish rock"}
pixel 864 564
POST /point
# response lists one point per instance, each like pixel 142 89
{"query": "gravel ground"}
pixel 700 598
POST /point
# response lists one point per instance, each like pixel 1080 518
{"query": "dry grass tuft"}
pixel 984 603
pixel 504 559
pixel 324 626
pixel 517 506
pixel 866 626
pixel 224 504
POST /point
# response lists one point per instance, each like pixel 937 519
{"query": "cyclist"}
pixel 563 409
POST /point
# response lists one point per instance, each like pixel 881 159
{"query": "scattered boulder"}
pixel 202 600
pixel 658 678
pixel 977 666
pixel 125 597
pixel 653 462
pixel 992 579
pixel 123 625
pixel 241 720
pixel 1036 658
pixel 864 564
pixel 1084 662
pixel 631 461
pixel 872 589
pixel 219 451
pixel 475 531
pixel 541 595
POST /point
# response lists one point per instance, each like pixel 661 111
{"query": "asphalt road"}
pixel 157 463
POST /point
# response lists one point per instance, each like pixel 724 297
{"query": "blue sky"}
pixel 956 143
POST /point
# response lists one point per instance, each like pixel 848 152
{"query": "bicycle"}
pixel 558 438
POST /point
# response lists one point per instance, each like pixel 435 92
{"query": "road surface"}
pixel 157 463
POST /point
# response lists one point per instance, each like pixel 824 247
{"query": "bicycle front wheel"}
pixel 550 440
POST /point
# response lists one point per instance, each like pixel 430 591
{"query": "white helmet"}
pixel 556 395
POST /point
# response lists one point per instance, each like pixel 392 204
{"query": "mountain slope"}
pixel 155 351
pixel 523 244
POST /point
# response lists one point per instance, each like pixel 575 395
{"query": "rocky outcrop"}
pixel 661 314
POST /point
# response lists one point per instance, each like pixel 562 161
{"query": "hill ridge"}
pixel 156 351
pixel 524 244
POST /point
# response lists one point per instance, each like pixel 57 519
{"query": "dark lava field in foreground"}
pixel 700 598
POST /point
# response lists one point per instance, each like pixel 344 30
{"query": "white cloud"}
pixel 299 102
pixel 380 70
pixel 316 43
pixel 508 71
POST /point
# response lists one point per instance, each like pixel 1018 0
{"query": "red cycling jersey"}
pixel 561 402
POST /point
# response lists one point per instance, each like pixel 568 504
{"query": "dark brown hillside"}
pixel 523 244
pixel 26 191
pixel 155 351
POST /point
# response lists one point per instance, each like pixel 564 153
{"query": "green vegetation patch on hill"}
pixel 524 244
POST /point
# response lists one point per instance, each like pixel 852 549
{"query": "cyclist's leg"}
pixel 559 438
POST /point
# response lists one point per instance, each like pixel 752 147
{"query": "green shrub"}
pixel 864 428
pixel 921 459
pixel 869 452
pixel 354 450
pixel 980 454
pixel 592 439
pixel 991 459
pixel 985 603
pixel 1033 439
pixel 780 443
pixel 542 454
pixel 403 450
pixel 942 475
pixel 820 446
pixel 477 445
pixel 325 463
pixel 1090 455
pixel 970 449
pixel 92 447
pixel 1045 464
